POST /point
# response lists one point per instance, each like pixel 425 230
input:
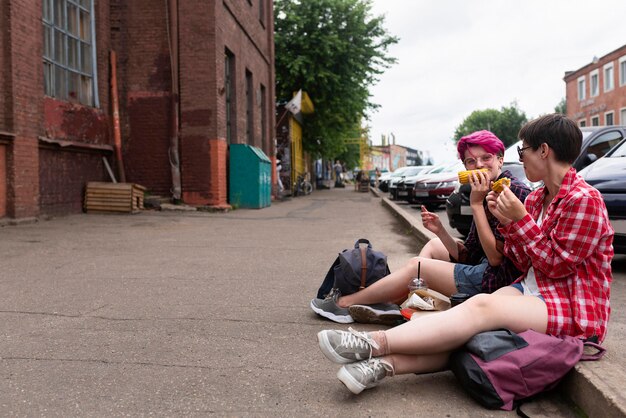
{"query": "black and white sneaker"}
pixel 328 308
pixel 380 313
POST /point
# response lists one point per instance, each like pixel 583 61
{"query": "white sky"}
pixel 457 56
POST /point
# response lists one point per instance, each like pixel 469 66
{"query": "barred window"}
pixel 69 51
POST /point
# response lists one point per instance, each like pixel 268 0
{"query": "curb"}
pixel 595 387
pixel 414 224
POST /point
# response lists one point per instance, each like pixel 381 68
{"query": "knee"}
pixel 413 262
pixel 479 305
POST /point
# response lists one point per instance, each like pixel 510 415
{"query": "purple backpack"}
pixel 500 368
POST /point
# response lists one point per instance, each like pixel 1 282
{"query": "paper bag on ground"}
pixel 427 300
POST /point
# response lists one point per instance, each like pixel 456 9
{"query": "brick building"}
pixel 196 74
pixel 596 93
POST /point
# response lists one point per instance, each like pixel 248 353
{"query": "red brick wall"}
pixel 6 114
pixel 75 168
pixel 139 34
pixel 63 174
pixel 146 149
pixel 233 25
pixel 75 122
pixel 26 115
pixel 198 93
pixel 26 86
pixel 604 102
pixel 3 181
pixel 253 50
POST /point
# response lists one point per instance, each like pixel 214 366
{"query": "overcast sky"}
pixel 457 56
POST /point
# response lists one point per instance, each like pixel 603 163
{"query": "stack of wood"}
pixel 114 197
pixel 364 185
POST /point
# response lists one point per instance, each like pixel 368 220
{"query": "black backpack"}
pixel 354 269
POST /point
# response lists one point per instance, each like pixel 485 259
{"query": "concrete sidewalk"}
pixel 596 387
pixel 201 314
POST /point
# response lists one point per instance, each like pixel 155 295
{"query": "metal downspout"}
pixel 172 30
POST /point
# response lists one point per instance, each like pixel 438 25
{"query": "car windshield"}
pixel 413 171
pixel 510 154
pixel 399 172
pixel 436 169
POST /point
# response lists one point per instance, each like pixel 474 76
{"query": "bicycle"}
pixel 302 186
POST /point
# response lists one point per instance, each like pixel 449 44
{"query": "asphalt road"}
pixel 196 314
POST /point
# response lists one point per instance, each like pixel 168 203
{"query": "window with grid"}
pixel 594 85
pixel 581 88
pixel 608 77
pixel 608 118
pixel 69 52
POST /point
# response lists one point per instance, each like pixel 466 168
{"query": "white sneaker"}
pixel 364 375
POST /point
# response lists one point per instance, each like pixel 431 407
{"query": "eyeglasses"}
pixel 485 159
pixel 520 151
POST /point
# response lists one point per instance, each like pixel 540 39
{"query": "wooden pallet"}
pixel 113 197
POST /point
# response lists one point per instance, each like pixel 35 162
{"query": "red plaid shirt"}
pixel 571 253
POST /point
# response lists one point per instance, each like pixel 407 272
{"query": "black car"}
pixel 608 175
pixel 399 176
pixel 597 141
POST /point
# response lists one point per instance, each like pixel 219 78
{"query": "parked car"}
pixel 404 186
pixel 597 141
pixel 395 175
pixel 608 175
pixel 432 189
pixel 383 181
pixel 408 171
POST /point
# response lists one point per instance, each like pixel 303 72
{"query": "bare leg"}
pixel 439 275
pixel 436 250
pixel 441 333
pixel 404 364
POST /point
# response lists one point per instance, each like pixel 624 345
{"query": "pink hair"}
pixel 485 139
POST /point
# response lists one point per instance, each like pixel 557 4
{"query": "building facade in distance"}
pixel 596 93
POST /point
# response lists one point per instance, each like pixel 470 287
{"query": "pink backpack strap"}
pixel 595 356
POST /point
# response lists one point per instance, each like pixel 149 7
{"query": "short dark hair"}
pixel 558 131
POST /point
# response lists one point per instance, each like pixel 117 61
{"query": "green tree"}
pixel 504 123
pixel 561 107
pixel 334 50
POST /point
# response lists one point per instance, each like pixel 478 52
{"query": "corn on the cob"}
pixel 498 186
pixel 465 175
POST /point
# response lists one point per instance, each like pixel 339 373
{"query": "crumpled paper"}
pixel 427 300
pixel 423 303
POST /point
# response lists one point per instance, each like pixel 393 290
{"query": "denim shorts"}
pixel 469 279
pixel 519 287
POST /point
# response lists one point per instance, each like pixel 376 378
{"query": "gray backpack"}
pixel 355 269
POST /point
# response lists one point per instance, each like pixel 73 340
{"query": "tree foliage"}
pixel 504 123
pixel 334 50
pixel 561 107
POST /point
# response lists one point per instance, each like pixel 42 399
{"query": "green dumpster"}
pixel 250 177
